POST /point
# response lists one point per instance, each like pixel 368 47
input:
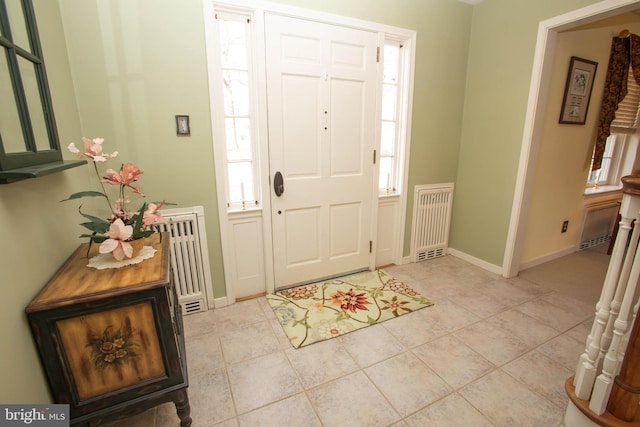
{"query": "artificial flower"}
pixel 152 214
pixel 92 150
pixel 128 174
pixel 123 226
pixel 116 243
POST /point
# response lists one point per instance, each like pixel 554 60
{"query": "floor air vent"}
pixel 425 255
pixel 431 219
pixel 595 242
pixel 189 258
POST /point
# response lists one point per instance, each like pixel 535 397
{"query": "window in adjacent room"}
pixel 28 134
pixel 621 145
pixel 613 151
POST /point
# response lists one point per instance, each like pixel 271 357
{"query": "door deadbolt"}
pixel 278 184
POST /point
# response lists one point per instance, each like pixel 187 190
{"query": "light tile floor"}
pixel 489 352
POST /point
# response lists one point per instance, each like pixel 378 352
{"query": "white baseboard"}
pixel 546 258
pixel 468 258
pixel 220 302
pixel 496 269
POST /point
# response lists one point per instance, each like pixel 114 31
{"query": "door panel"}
pixel 321 94
pixel 301 103
pixel 346 141
pixel 344 220
pixel 302 222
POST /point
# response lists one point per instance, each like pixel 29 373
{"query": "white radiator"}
pixel 597 223
pixel 189 258
pixel 431 220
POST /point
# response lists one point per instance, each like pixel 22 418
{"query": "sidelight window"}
pixel 238 118
pixel 393 115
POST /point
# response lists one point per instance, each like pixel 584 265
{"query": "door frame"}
pixel 534 119
pixel 257 10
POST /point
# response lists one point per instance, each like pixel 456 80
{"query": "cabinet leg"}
pixel 181 400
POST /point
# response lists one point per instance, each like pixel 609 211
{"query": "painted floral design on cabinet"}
pixel 112 347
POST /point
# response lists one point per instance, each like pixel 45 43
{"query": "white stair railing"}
pixel 615 310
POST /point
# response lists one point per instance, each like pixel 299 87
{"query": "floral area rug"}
pixel 332 308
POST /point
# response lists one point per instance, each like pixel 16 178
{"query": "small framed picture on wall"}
pixel 577 91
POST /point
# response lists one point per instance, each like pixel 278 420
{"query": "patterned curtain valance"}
pixel 624 52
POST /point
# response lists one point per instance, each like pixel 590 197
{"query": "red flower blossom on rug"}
pixel 350 300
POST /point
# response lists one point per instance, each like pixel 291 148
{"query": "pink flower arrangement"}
pixel 123 226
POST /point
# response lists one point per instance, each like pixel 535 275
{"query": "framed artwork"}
pixel 577 91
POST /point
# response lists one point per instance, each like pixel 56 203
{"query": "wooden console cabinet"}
pixel 111 341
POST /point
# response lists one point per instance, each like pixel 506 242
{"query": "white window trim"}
pixel 256 9
pixel 615 161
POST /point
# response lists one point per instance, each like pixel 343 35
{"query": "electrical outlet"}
pixel 565 225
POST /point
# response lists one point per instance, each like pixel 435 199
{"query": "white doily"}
pixel 104 261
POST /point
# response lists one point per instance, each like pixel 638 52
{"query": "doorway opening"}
pixel 534 121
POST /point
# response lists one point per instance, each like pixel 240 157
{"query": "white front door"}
pixel 321 94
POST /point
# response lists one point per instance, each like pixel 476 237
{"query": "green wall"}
pixel 133 72
pixel 135 66
pixel 123 69
pixel 503 37
pixel 38 232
